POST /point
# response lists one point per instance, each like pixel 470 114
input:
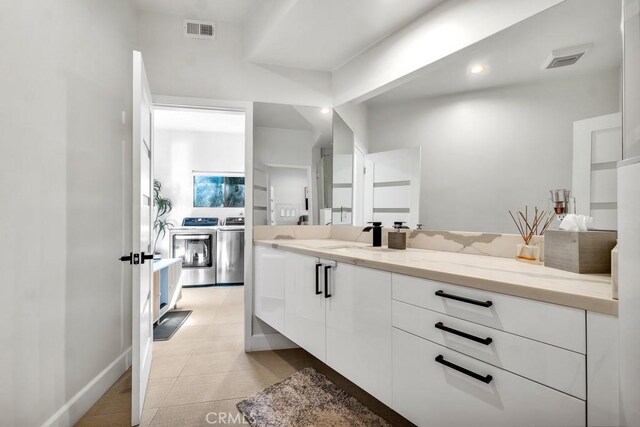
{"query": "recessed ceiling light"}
pixel 325 110
pixel 477 69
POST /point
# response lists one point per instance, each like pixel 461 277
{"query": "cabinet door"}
pixel 304 309
pixel 269 279
pixel 358 318
pixel 429 393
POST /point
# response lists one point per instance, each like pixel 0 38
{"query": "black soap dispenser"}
pixel 377 233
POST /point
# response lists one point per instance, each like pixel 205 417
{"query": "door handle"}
pixel 127 258
pixel 485 379
pixel 485 341
pixel 443 294
pixel 144 256
pixel 318 291
pixel 326 281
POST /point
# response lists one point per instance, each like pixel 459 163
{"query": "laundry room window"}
pixel 218 191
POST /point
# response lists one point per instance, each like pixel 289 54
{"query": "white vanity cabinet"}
pixel 430 389
pixel 338 312
pixel 444 354
pixel 269 286
pixel 484 358
pixel 358 320
pixel 304 320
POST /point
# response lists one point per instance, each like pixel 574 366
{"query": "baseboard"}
pixel 78 405
pixel 262 342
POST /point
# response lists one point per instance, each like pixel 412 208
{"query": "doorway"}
pixel 200 162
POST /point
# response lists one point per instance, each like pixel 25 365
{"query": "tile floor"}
pixel 203 369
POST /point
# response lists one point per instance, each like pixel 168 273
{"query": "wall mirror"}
pixel 293 161
pixel 343 142
pixel 497 125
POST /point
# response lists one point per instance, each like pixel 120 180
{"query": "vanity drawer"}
pixel 555 367
pixel 429 393
pixel 553 324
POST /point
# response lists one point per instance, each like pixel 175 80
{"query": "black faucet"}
pixel 377 233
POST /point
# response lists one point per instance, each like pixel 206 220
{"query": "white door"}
pixel 304 303
pixel 597 148
pixel 358 327
pixel 396 186
pixel 260 197
pixel 142 229
pixel 358 186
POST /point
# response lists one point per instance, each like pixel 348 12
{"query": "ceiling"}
pixel 516 55
pixel 206 10
pixel 279 116
pixel 324 34
pixel 309 34
pixel 218 121
pixel 295 117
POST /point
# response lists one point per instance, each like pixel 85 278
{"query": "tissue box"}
pixel 585 252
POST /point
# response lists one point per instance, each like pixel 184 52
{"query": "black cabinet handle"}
pixel 326 281
pixel 318 291
pixel 443 294
pixel 485 379
pixel 485 341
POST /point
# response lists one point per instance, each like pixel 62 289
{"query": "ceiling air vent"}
pixel 193 29
pixel 564 57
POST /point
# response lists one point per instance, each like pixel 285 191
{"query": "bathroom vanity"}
pixel 448 338
pixel 453 330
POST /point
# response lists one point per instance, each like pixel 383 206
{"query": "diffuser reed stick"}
pixel 539 223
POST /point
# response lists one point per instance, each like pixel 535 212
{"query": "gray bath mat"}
pixel 169 324
pixel 307 398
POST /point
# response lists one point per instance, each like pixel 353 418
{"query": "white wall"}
pixel 631 83
pixel 452 26
pixel 355 116
pixel 486 152
pixel 65 184
pixel 216 69
pixel 282 147
pixel 288 185
pixel 179 153
pixel 628 224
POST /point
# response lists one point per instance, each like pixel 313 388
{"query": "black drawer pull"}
pixel 443 294
pixel 486 379
pixel 485 341
pixel 326 281
pixel 318 291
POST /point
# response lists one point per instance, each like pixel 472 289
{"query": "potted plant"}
pixel 163 206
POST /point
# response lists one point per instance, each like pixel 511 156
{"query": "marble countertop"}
pixel 590 292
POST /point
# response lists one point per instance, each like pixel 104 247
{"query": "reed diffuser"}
pixel 529 227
